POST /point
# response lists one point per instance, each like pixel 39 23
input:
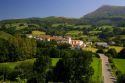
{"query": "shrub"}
pixel 122 53
pixel 121 79
pixel 100 51
pixel 96 55
pixel 4 72
pixel 112 52
pixel 110 60
pixel 118 73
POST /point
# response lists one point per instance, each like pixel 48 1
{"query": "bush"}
pixel 108 55
pixel 121 79
pixel 112 52
pixel 100 51
pixel 96 55
pixel 4 72
pixel 110 60
pixel 118 73
pixel 122 53
pixel 22 71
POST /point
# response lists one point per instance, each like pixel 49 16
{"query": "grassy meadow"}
pixel 96 64
pixel 4 35
pixel 92 49
pixel 12 65
pixel 38 33
pixel 117 48
pixel 120 64
pixel 54 61
pixel 74 33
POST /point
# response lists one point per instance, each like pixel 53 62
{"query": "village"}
pixel 60 39
pixel 75 43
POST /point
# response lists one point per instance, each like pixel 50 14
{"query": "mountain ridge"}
pixel 107 10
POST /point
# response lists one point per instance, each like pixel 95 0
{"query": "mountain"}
pixel 107 11
pixel 106 15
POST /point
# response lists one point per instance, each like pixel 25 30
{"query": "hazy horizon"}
pixel 43 8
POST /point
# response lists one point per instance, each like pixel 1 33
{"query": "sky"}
pixel 14 9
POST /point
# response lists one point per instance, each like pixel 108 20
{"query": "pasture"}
pixel 120 64
pixel 6 36
pixel 92 49
pixel 117 48
pixel 38 33
pixel 74 33
pixel 96 64
pixel 12 65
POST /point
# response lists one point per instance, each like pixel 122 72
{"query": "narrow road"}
pixel 106 70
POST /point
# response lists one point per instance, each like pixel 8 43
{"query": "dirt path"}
pixel 106 70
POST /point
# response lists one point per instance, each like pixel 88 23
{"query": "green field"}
pixel 38 33
pixel 92 49
pixel 120 64
pixel 54 61
pixel 4 35
pixel 12 65
pixel 95 32
pixel 74 33
pixel 96 64
pixel 82 26
pixel 117 48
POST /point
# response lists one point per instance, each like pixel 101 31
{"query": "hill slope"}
pixel 107 12
pixel 107 15
pixel 4 35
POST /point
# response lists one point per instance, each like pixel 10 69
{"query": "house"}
pixel 102 44
pixel 29 36
pixel 112 43
pixel 59 39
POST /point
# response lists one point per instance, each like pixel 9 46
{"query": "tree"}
pixel 63 46
pixel 100 51
pixel 74 70
pixel 121 79
pixel 41 64
pixel 40 67
pixel 22 71
pixel 112 52
pixel 24 48
pixel 122 53
pixel 3 50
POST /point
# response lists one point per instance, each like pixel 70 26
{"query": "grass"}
pixel 121 36
pixel 12 65
pixel 96 64
pixel 54 61
pixel 4 35
pixel 119 63
pixel 74 33
pixel 38 33
pixel 92 49
pixel 83 26
pixel 94 32
pixel 118 48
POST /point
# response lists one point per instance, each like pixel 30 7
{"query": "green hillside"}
pixel 4 35
pixel 106 15
pixel 107 11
